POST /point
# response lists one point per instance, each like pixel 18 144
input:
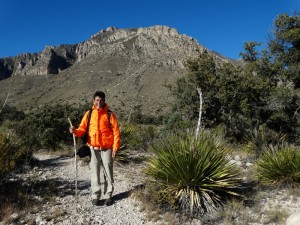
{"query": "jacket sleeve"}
pixel 80 131
pixel 116 132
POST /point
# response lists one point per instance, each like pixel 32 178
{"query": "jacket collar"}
pixel 105 108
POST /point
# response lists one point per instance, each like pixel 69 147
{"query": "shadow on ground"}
pixel 126 194
pixel 55 161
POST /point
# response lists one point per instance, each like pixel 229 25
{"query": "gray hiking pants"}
pixel 101 160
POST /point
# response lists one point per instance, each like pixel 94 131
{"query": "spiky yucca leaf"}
pixel 196 172
pixel 279 164
pixel 261 138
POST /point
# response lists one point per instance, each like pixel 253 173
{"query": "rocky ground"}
pixel 64 208
pixel 67 209
pixel 61 206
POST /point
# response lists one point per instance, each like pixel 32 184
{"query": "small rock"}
pixel 248 164
pixel 293 219
pixel 237 158
pixel 14 216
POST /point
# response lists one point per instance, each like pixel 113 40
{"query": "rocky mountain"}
pixel 130 65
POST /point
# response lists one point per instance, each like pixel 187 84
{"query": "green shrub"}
pixel 135 136
pixel 127 133
pixel 12 153
pixel 11 113
pixel 48 127
pixel 194 174
pixel 279 164
pixel 174 122
pixel 261 138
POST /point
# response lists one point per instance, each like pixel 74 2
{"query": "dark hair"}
pixel 99 94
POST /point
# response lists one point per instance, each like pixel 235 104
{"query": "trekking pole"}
pixel 76 173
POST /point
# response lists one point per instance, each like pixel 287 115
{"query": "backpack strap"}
pixel 108 114
pixel 86 135
pixel 89 119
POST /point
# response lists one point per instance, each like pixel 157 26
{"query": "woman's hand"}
pixel 72 129
pixel 113 154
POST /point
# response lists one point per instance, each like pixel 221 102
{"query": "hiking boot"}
pixel 108 202
pixel 96 202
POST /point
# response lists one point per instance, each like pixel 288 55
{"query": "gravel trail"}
pixel 66 209
pixel 56 175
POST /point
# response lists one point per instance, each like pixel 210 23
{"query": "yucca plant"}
pixel 194 171
pixel 259 139
pixel 279 164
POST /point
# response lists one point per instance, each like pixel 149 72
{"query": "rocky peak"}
pixel 156 44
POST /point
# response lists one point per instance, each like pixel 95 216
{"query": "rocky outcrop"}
pixel 159 44
pixel 50 61
pixel 6 67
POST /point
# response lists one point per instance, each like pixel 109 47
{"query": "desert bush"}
pixel 192 174
pixel 11 113
pixel 127 133
pixel 279 164
pixel 48 127
pixel 259 139
pixel 147 134
pixel 12 153
pixel 136 116
pixel 134 136
pixel 175 123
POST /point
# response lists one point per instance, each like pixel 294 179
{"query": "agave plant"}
pixel 279 164
pixel 195 171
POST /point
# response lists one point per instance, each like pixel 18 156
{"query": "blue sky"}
pixel 28 26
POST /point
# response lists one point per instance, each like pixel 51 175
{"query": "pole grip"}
pixel 70 122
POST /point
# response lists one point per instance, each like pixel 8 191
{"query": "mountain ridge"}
pixel 131 65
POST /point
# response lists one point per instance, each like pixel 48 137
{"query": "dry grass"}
pixel 7 212
pixel 157 214
pixel 276 216
pixel 293 190
pixel 55 214
pixel 236 212
pixel 14 197
pixel 152 212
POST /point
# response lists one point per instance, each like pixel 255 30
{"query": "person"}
pixel 104 142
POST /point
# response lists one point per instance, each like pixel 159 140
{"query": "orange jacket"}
pixel 103 134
